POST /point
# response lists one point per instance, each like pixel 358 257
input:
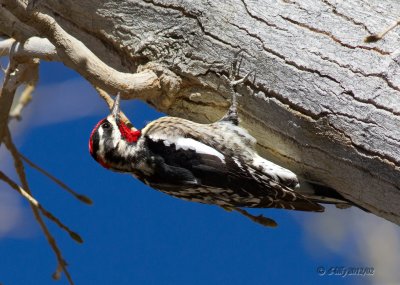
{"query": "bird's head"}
pixel 111 140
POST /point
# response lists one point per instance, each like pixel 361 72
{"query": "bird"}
pixel 215 163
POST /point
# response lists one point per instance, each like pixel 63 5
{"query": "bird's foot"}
pixel 234 80
pixel 260 219
pixel 234 71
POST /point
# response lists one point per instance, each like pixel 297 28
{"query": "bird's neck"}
pixel 121 155
pixel 130 135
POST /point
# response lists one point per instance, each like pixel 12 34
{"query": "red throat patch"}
pixel 129 135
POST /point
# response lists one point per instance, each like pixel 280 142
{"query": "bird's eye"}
pixel 106 125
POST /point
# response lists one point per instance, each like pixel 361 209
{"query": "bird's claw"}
pixel 260 219
pixel 234 71
pixel 233 83
pixel 232 114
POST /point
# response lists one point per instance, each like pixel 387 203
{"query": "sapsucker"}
pixel 208 163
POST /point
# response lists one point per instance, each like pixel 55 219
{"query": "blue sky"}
pixel 135 235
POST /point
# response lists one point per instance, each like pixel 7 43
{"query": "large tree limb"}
pixel 324 103
pixel 11 26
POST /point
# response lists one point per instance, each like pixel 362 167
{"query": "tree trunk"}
pixel 323 103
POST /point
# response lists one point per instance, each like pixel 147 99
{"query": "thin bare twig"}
pixel 17 73
pixel 26 95
pixel 107 98
pixel 20 71
pixel 20 168
pixel 378 36
pixel 50 239
pixel 78 196
pixel 36 204
pixel 7 95
pixel 23 101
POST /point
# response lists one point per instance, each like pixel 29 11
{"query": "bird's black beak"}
pixel 115 108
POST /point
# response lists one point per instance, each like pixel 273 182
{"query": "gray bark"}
pixel 323 104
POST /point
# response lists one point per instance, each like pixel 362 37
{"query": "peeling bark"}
pixel 323 104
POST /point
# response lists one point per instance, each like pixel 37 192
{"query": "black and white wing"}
pixel 190 169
